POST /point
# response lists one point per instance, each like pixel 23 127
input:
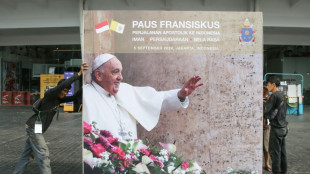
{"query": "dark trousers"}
pixel 277 149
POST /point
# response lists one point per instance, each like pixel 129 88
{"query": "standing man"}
pixel 266 132
pixel 275 111
pixel 118 107
pixel 38 123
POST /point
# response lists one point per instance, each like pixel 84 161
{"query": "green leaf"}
pixel 92 137
pixel 122 146
pixel 135 146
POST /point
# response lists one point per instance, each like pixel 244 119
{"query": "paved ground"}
pixel 64 139
pixel 298 143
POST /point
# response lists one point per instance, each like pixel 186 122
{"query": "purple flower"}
pixel 88 141
pixel 105 133
pixel 115 143
pixel 106 144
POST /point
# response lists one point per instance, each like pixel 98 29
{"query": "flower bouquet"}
pixel 106 154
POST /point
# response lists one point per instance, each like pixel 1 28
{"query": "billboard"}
pixel 221 127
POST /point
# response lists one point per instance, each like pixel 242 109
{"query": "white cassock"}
pixel 120 114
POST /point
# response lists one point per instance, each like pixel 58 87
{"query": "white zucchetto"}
pixel 101 59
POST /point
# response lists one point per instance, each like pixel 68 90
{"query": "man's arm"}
pixel 269 105
pixel 55 91
pixel 71 98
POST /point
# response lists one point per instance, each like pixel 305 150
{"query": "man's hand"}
pixel 84 67
pixel 189 87
pixel 265 125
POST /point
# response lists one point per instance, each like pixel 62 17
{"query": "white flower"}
pixel 229 170
pixel 137 145
pixel 98 162
pixel 163 152
pixel 128 156
pixel 170 168
pixel 196 172
pixel 166 158
pixel 141 168
pixel 105 155
pixel 173 158
pixel 179 171
pixel 146 160
pixel 254 172
pixel 88 157
pixel 194 168
pixel 161 159
pixel 170 147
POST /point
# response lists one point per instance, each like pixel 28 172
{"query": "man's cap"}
pixel 101 59
pixel 265 84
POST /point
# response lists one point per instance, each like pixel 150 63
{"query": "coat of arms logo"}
pixel 247 34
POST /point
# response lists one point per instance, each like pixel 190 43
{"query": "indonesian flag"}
pixel 118 27
pixel 101 27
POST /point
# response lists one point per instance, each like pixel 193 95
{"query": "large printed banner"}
pixel 222 126
pixel 172 32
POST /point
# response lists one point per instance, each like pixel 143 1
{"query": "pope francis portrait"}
pixel 119 107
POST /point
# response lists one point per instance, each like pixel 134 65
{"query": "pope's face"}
pixel 111 76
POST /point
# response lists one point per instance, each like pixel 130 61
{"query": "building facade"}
pixel 44 36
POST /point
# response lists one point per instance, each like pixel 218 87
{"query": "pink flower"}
pixel 153 158
pixel 171 148
pixel 119 152
pixel 145 152
pixel 185 165
pixel 125 164
pixel 97 149
pixel 110 139
pixel 87 127
pixel 115 143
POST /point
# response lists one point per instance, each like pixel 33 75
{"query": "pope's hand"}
pixel 84 67
pixel 189 87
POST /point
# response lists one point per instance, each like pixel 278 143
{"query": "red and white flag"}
pixel 101 27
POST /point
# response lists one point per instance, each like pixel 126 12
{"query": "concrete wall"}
pixel 39 22
pixel 285 22
pixel 39 14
